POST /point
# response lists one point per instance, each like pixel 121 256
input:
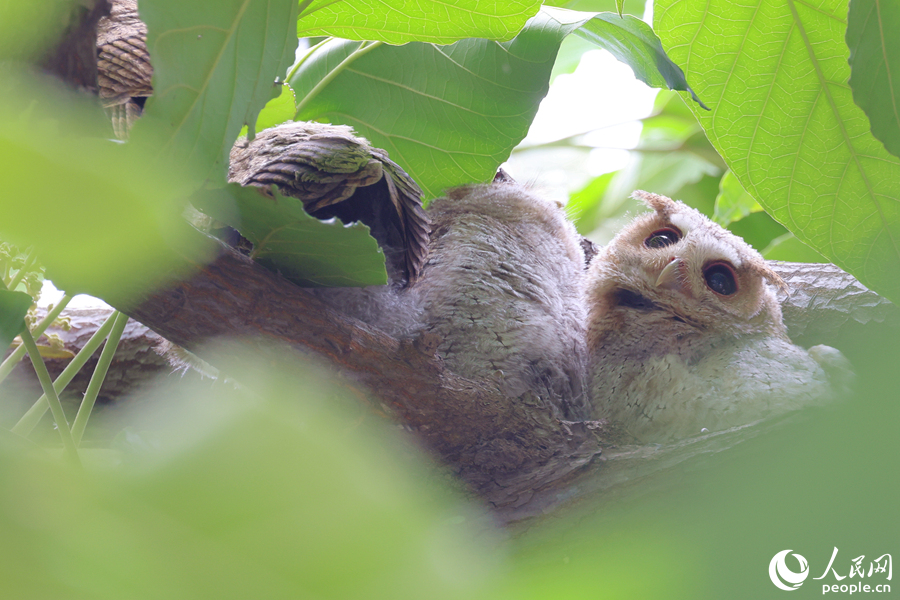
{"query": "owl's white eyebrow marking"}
pixel 686 221
pixel 725 251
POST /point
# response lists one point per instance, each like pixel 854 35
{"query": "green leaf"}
pixel 633 42
pixel 214 65
pixel 875 66
pixel 787 247
pixel 308 251
pixel 403 21
pixel 28 28
pixel 733 202
pixel 13 308
pixel 758 229
pixel 784 120
pixel 449 115
pixel 634 7
pixel 587 208
pixel 277 110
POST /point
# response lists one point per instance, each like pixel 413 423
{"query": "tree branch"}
pixel 489 438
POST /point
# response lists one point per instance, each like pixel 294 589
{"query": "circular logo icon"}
pixel 782 576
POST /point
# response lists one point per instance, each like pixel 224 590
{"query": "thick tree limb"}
pixel 825 305
pixel 491 439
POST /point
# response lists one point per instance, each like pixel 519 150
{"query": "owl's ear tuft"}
pixel 763 270
pixel 661 204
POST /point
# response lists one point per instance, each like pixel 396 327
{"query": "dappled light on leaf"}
pixel 413 21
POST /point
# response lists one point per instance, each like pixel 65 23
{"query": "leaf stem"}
pixel 55 406
pixel 305 57
pixel 28 422
pixel 93 388
pixel 13 359
pixel 365 48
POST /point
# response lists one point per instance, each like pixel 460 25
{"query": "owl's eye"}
pixel 662 238
pixel 720 278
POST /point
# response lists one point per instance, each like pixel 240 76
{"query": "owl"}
pixel 685 332
pixel 335 173
pixel 500 296
pixel 123 65
pixel 502 291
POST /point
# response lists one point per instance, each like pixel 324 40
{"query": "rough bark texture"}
pixel 825 305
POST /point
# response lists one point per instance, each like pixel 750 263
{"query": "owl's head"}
pixel 675 269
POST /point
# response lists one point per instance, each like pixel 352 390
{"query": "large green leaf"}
pixel 448 115
pixel 214 64
pixel 875 66
pixel 302 248
pixel 783 118
pixel 13 308
pixel 451 114
pixel 733 202
pixel 403 21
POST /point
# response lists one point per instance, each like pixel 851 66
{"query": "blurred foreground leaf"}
pixel 280 490
pixel 28 28
pixel 285 238
pixel 101 220
pixel 783 118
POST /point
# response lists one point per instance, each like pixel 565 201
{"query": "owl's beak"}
pixel 668 277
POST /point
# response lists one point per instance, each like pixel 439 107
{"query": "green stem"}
pixel 93 388
pixel 306 56
pixel 365 48
pixel 28 422
pixel 58 415
pixel 21 274
pixel 13 359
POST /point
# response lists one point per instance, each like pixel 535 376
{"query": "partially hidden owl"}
pixel 501 296
pixel 685 332
pixel 502 291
